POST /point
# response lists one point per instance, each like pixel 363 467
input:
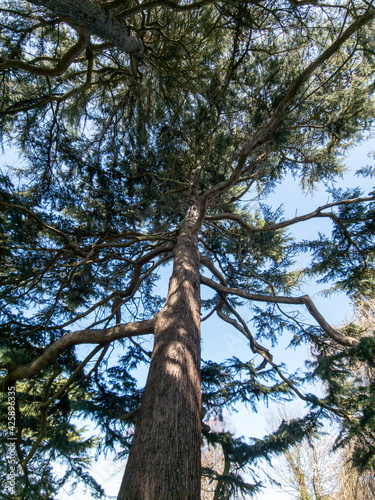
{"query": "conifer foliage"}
pixel 150 135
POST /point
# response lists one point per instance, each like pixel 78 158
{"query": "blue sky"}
pixel 221 341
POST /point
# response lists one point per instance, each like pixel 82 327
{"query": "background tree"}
pixel 213 461
pixel 327 466
pixel 348 377
pixel 310 469
pixel 313 469
pixel 141 128
pixel 352 483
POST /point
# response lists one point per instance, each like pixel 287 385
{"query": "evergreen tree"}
pixel 140 129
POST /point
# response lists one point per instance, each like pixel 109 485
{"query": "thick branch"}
pixel 172 5
pixel 71 339
pixel 90 16
pixel 304 300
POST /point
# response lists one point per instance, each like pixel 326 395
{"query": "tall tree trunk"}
pixel 164 460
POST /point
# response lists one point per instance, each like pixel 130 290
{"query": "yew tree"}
pixel 149 137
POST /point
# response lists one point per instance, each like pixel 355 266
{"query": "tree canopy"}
pixel 150 134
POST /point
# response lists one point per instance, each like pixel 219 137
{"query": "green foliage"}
pixel 243 456
pixel 42 441
pixel 348 376
pixel 346 257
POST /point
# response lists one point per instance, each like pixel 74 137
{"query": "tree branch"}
pixel 91 17
pixel 273 227
pixel 65 388
pixel 104 336
pixel 30 104
pixel 303 300
pixel 31 213
pixel 266 134
pixel 61 66
pixel 132 287
pixel 243 328
pixel 175 6
pixel 255 347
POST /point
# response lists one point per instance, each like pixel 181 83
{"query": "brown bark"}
pixel 90 16
pixel 164 460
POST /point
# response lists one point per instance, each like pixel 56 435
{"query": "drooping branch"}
pixel 240 324
pixel 32 103
pixel 71 381
pixel 128 293
pixel 305 300
pixel 48 227
pixel 90 16
pixel 60 67
pixel 242 327
pixel 43 420
pixel 89 336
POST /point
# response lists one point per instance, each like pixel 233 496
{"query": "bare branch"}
pixel 273 227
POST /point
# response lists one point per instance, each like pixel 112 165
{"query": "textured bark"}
pixel 164 460
pixel 90 16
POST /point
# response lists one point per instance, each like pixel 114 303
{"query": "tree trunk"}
pixel 164 460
